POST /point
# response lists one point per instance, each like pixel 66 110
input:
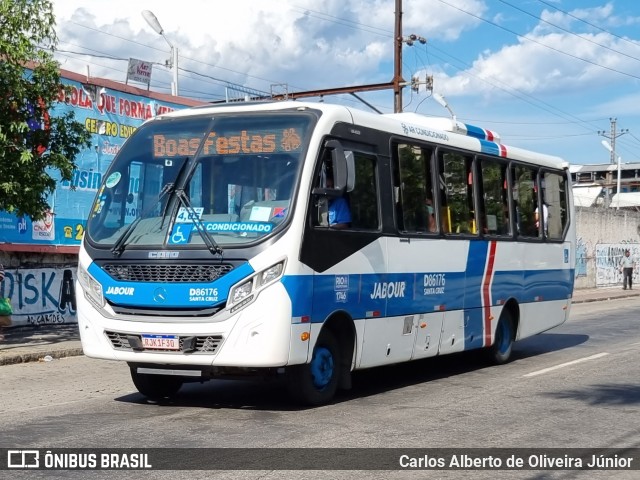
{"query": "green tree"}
pixel 32 144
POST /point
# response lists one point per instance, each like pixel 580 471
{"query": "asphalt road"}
pixel 574 386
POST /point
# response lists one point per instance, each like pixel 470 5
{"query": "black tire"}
pixel 316 383
pixel 500 351
pixel 156 387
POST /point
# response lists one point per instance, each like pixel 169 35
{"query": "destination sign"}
pixel 244 142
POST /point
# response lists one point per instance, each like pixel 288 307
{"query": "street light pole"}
pixel 173 61
pixel 174 67
pixel 608 146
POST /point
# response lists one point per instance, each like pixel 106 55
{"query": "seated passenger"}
pixel 339 211
pixel 431 217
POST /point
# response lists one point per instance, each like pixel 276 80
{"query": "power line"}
pixel 182 57
pixel 540 104
pixel 569 31
pixel 345 22
pixel 540 43
pixel 588 23
pixel 368 29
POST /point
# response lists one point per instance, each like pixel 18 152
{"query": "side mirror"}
pixel 343 167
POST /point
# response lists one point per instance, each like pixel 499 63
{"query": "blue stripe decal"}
pixel 300 291
pixel 490 148
pixel 473 319
pixel 476 132
pixel 169 295
pixel 396 294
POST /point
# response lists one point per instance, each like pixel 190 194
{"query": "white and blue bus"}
pixel 208 252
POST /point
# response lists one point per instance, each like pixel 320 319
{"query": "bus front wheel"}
pixel 500 351
pixel 156 387
pixel 315 383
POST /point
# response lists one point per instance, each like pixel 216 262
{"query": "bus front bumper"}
pixel 262 335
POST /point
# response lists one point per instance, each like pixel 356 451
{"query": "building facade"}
pixel 40 257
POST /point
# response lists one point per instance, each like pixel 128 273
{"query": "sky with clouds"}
pixel 547 75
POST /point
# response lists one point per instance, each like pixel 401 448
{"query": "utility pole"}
pixel 398 81
pixel 612 137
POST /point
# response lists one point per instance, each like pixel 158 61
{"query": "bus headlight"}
pixel 241 291
pixel 270 274
pixel 244 293
pixel 92 289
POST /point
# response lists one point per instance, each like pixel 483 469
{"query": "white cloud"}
pixel 254 42
pixel 446 20
pixel 309 45
pixel 549 62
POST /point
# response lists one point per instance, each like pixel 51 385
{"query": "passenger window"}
pixel 554 197
pixel 357 209
pixel 364 197
pixel 494 198
pixel 525 197
pixel 456 193
pixel 413 191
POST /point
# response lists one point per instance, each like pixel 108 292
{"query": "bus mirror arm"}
pixel 327 192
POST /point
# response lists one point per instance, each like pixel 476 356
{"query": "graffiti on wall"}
pixel 41 296
pixel 608 258
pixel 582 252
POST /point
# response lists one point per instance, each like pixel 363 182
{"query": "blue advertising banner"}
pixel 111 116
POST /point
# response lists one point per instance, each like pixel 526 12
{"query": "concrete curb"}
pixel 603 298
pixel 39 356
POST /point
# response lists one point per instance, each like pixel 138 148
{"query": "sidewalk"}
pixel 51 342
pixel 39 343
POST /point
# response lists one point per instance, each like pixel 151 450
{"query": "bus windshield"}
pixel 178 180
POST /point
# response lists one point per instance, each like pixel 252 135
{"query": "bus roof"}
pixel 441 130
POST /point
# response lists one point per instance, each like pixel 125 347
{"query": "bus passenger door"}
pixel 453 332
pixel 428 330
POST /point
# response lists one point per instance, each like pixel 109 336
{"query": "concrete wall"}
pixel 603 236
pixel 40 287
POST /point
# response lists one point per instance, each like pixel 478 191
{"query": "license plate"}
pixel 161 342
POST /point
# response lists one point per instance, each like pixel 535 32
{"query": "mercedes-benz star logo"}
pixel 160 295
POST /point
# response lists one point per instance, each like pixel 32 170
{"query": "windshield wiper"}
pixel 118 248
pixel 211 244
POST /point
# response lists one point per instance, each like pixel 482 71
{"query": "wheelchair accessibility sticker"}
pixel 180 234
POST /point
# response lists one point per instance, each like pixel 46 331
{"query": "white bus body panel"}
pixel 257 336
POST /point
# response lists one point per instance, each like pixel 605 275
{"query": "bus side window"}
pixel 414 199
pixel 363 199
pixel 321 202
pixel 526 199
pixel 494 207
pixel 332 209
pixel 554 194
pixel 456 193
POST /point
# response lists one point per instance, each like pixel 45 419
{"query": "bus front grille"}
pixel 196 273
pixel 207 344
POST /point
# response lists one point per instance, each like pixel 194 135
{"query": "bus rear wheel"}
pixel 500 351
pixel 315 383
pixel 156 387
